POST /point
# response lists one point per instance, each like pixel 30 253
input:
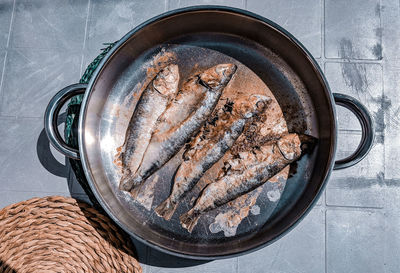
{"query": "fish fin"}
pixel 120 157
pixel 166 209
pixel 126 182
pixel 189 220
pixel 135 191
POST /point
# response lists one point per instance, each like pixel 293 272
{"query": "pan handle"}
pixel 51 115
pixel 367 127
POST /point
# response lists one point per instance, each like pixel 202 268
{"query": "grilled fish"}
pixel 210 145
pixel 262 165
pixel 177 110
pixel 164 145
pixel 152 103
pixel 182 106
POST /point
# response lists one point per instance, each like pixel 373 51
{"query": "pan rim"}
pixel 206 8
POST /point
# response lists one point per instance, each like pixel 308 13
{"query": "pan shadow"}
pixel 4 267
pixel 46 157
pixel 144 254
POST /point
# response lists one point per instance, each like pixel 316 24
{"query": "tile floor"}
pixel 46 44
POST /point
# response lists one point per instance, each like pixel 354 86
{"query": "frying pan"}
pixel 275 56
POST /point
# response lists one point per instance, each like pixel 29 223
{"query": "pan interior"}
pixel 295 92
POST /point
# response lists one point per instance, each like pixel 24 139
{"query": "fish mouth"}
pixel 218 75
pixel 166 81
pixel 289 146
pixel 295 145
pixel 255 104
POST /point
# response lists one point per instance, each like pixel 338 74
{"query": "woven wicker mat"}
pixel 59 234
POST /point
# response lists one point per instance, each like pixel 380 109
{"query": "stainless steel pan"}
pixel 269 51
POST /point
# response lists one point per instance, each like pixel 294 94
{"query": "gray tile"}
pixel 49 24
pixel 12 197
pixel 162 263
pixel 361 185
pixel 6 8
pixel 353 30
pixel 355 241
pixel 33 76
pixel 110 20
pixel 363 82
pixel 392 155
pixel 174 4
pixel 28 164
pixel 301 18
pixel 390 21
pixel 391 79
pixel 144 10
pixel 89 55
pixel 302 250
pixel 392 242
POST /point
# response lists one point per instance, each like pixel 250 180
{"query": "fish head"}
pixel 166 81
pixel 252 105
pixel 290 146
pixel 218 75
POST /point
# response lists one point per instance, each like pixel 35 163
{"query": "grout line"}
pixel 18 117
pixel 21 117
pixel 35 191
pixel 3 72
pixel 358 131
pixel 85 37
pixel 244 3
pixel 237 265
pixel 322 30
pixel 343 207
pixel 8 117
pixel 326 241
pixel 360 61
pixel 323 15
pixel 166 5
pixel 380 26
pixel 11 24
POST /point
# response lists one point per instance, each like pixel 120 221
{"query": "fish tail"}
pixel 126 182
pixel 166 209
pixel 189 220
pixel 129 182
pixel 135 191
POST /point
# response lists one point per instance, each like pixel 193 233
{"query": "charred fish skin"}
pixel 205 152
pixel 164 146
pixel 150 106
pixel 267 162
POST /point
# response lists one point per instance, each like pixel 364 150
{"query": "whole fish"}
pixel 183 105
pixel 177 110
pixel 152 103
pixel 262 165
pixel 209 146
pixel 164 145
